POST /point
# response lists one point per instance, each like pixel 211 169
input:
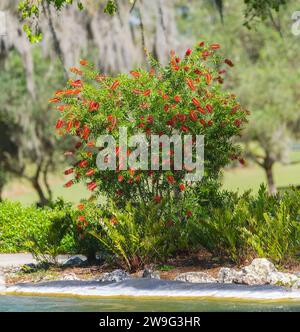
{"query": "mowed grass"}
pixel 237 179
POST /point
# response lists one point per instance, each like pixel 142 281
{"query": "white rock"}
pixel 195 277
pixel 228 276
pixel 282 279
pixel 261 267
pixel 70 276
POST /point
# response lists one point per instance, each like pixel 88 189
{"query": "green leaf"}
pixel 111 7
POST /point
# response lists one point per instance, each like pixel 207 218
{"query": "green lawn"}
pixel 241 179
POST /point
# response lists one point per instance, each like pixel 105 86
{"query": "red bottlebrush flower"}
pixel 166 107
pixel 137 91
pixel 235 108
pixel 59 92
pixel 92 186
pixel 215 46
pixel 76 84
pixel 83 163
pixel 147 92
pixel 90 144
pixel 210 122
pixel 72 92
pixel 176 68
pixel 242 161
pixel 197 71
pixel 196 102
pixel 181 187
pixel 81 219
pixel 115 85
pixel 83 62
pixel 90 172
pixel 220 80
pixel 119 192
pixel 69 184
pixel 186 68
pixel 205 54
pixel 61 107
pixel 85 133
pixel 177 59
pixel 201 44
pixel 78 145
pixel 189 213
pixel 237 122
pixel 209 108
pixel 202 121
pixel 185 129
pixel 152 72
pixel 157 199
pixel 150 119
pixel 80 207
pixel 69 171
pixel 69 126
pixel 229 62
pixel 208 78
pixel 54 100
pixel 93 106
pixel 170 179
pixel 135 74
pixel 190 84
pixel 76 124
pixel 59 124
pixel 182 117
pixel 75 71
pixel 188 52
pixel 193 116
pixel 120 178
pixel 201 110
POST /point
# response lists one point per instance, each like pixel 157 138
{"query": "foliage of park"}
pixel 137 217
pixel 230 227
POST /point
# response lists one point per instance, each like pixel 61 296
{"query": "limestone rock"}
pixel 195 277
pixel 228 276
pixel 261 267
pixel 70 276
pixel 114 276
pixel 150 274
pixel 283 279
pixel 260 272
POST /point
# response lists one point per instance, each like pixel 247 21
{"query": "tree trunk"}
pixel 270 179
pixel 268 167
pixel 36 185
pixel 42 198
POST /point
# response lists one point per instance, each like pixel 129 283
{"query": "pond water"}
pixel 57 304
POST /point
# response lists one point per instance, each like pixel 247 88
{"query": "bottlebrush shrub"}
pixel 184 97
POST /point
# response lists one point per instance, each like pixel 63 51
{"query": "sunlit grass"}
pixel 241 179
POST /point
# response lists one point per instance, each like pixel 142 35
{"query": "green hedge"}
pixel 19 226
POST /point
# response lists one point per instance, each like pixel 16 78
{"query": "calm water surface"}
pixel 54 304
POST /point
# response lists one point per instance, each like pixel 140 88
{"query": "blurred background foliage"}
pixel 255 34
